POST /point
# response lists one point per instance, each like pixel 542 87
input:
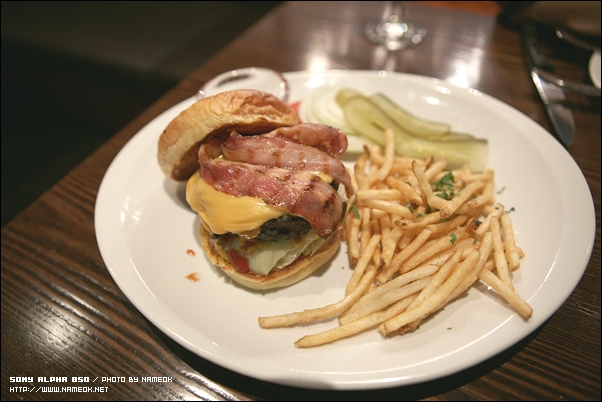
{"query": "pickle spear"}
pixel 411 123
pixel 370 121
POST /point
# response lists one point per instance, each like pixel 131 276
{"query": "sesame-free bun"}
pixel 298 270
pixel 243 111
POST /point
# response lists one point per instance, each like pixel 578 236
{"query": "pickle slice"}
pixel 370 121
pixel 410 122
pixel 344 94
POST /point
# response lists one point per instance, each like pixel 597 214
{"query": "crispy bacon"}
pixel 301 192
pixel 328 139
pixel 284 152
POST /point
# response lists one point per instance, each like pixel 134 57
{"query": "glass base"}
pixel 395 36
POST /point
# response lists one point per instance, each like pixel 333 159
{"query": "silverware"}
pixel 576 41
pixel 552 96
pixel 583 89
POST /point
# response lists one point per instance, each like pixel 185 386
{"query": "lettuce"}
pixel 280 253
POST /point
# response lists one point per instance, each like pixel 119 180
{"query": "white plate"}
pixel 145 229
pixel 594 68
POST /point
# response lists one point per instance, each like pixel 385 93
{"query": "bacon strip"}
pixel 284 152
pixel 328 139
pixel 301 192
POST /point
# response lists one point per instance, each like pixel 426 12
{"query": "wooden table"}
pixel 63 315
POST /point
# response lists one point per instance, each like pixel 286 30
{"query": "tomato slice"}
pixel 295 107
pixel 240 263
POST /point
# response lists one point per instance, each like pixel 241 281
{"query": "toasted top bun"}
pixel 299 269
pixel 243 111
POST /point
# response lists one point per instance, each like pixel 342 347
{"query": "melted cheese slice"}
pixel 221 213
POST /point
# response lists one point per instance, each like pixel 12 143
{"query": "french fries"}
pixel 418 238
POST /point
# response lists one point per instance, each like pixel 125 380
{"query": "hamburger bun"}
pixel 301 268
pixel 212 120
pixel 243 111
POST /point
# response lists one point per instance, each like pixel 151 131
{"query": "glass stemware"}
pixel 395 31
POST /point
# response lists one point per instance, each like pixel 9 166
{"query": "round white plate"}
pixel 146 231
pixel 594 68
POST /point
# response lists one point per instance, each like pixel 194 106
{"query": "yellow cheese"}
pixel 221 213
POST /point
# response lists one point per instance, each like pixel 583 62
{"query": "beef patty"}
pixel 284 227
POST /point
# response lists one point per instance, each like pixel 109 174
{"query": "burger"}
pixel 271 193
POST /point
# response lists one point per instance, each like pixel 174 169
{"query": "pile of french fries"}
pixel 418 237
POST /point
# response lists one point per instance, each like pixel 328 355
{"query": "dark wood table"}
pixel 63 315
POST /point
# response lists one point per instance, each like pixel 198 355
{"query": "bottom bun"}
pixel 299 269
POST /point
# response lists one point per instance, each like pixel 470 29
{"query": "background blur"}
pixel 74 73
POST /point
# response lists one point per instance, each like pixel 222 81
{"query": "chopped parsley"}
pixel 446 181
pixel 445 195
pixel 444 187
pixel 452 238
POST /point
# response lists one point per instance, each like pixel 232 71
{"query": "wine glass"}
pixel 394 31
